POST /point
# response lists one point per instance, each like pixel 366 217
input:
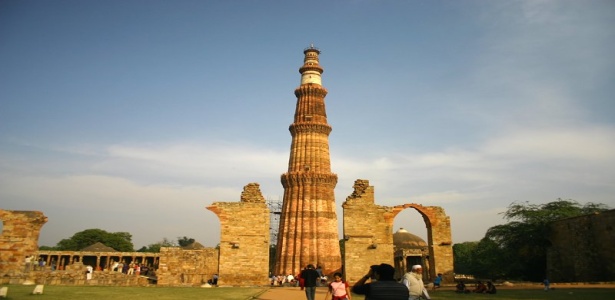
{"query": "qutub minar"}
pixel 308 232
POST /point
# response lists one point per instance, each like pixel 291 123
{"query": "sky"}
pixel 134 116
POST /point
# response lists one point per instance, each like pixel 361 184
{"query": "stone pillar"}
pixel 21 230
pixel 244 239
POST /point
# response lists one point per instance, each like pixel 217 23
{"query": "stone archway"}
pixel 439 238
pixel 368 234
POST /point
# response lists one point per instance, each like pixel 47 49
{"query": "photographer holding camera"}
pixel 384 287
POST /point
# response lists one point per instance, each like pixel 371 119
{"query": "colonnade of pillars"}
pixel 56 260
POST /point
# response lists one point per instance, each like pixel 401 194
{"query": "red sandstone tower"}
pixel 308 231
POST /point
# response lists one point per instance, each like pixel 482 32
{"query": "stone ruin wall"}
pixel 244 239
pixel 74 274
pixel 179 267
pixel 19 238
pixel 244 245
pixel 582 249
pixel 21 229
pixel 368 234
pixel 176 267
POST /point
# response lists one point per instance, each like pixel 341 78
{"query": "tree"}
pixel 185 241
pixel 462 257
pixel 120 241
pixel 155 248
pixel 47 248
pixel 488 261
pixel 518 249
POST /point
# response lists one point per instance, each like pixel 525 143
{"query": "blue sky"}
pixel 136 115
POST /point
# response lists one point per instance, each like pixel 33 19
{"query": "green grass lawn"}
pixel 55 292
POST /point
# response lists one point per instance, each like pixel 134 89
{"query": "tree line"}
pixel 119 241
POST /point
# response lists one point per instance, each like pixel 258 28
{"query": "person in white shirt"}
pixel 28 262
pixel 88 272
pixel 414 281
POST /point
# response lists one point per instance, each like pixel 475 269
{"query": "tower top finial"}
pixel 311 48
pixel 311 70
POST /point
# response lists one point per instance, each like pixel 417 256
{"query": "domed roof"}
pixel 404 240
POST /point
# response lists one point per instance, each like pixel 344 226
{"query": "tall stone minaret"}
pixel 308 232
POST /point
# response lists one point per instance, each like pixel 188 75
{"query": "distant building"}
pixel 410 250
pixel 582 249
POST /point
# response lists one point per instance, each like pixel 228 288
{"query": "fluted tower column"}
pixel 308 232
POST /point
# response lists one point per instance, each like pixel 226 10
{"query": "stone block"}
pixel 38 290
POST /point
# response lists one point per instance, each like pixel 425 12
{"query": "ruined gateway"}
pixel 307 233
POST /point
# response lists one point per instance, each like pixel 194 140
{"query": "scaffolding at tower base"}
pixel 275 210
